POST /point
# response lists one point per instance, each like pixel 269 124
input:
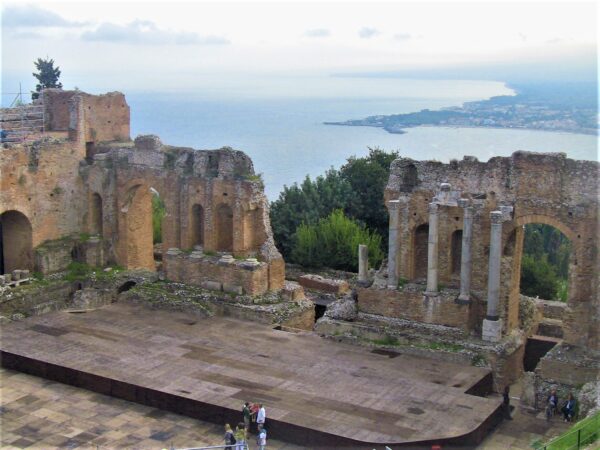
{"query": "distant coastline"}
pixel 568 107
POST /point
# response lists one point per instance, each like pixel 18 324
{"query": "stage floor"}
pixel 307 382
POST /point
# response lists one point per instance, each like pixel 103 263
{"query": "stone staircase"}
pixel 551 326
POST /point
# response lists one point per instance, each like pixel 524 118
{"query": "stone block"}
pixel 212 285
pixel 318 283
pixel 233 288
pixel 492 330
pixel 292 291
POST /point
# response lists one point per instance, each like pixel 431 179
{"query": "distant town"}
pixel 571 108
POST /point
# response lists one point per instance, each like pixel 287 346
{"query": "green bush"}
pixel 158 212
pixel 333 242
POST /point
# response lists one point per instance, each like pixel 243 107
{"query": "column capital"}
pixel 433 208
pixel 393 204
pixel 496 217
pixel 445 187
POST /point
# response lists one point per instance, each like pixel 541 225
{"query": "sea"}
pixel 283 131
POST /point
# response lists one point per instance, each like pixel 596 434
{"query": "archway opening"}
pixel 96 217
pixel 126 286
pixel 15 234
pixel 420 251
pixel 545 263
pixel 197 230
pixel 224 228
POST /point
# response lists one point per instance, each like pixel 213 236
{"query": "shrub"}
pixel 333 242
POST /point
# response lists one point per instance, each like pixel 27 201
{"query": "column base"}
pixel 463 300
pixel 431 293
pixel 491 330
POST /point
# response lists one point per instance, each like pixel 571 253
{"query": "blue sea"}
pixel 284 134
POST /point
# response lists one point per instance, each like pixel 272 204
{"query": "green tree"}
pixel 357 188
pixel 368 177
pixel 545 263
pixel 307 203
pixel 333 242
pixel 47 76
pixel 158 212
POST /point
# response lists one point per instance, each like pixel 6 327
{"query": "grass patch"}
pixel 387 340
pixel 582 434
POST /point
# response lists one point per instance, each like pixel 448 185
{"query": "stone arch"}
pixel 137 248
pixel 96 215
pixel 224 228
pixel 420 241
pixel 15 242
pixel 513 255
pixel 197 225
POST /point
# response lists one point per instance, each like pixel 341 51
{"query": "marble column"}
pixel 363 264
pixel 492 325
pixel 432 250
pixel 394 212
pixel 465 254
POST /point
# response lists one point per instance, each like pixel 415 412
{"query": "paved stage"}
pixel 316 392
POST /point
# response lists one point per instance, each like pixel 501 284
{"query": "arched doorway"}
pixel 421 239
pixel 455 252
pixel 224 228
pixel 96 216
pixel 16 242
pixel 197 226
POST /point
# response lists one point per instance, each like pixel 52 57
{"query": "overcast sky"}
pixel 163 45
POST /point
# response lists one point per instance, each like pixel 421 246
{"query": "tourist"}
pixel 261 440
pixel 229 437
pixel 246 415
pixel 552 406
pixel 568 409
pixel 261 417
pixel 253 411
pixel 240 436
pixel 506 402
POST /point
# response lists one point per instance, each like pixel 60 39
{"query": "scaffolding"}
pixel 21 122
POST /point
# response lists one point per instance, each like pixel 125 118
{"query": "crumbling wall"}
pixel 541 188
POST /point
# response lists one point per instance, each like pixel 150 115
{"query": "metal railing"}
pixel 582 434
pixel 230 447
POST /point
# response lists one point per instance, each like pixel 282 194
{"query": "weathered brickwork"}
pixel 85 176
pixel 524 188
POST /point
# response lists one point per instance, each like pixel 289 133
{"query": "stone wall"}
pixel 540 188
pixel 411 304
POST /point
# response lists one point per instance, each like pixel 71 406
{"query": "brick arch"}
pixel 197 225
pixel 546 220
pixel 16 242
pixel 95 215
pixel 420 236
pixel 224 227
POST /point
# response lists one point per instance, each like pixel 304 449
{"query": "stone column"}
pixel 394 211
pixel 492 325
pixel 363 264
pixel 465 254
pixel 432 250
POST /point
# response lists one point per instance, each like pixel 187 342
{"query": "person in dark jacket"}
pixel 506 403
pixel 229 439
pixel 568 409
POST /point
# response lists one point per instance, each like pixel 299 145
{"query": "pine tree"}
pixel 47 76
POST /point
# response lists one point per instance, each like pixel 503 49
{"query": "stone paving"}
pixel 41 414
pixel 348 390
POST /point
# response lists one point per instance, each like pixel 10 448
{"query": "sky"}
pixel 203 45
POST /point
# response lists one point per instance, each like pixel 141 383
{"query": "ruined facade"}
pixel 457 230
pixel 83 191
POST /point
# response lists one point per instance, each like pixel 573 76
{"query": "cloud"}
pixel 31 16
pixel 317 33
pixel 367 32
pixel 146 32
pixel 402 36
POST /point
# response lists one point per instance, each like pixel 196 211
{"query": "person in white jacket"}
pixel 261 417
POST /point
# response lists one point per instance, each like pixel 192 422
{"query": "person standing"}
pixel 261 417
pixel 506 403
pixel 229 438
pixel 240 437
pixel 261 440
pixel 568 409
pixel 246 415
